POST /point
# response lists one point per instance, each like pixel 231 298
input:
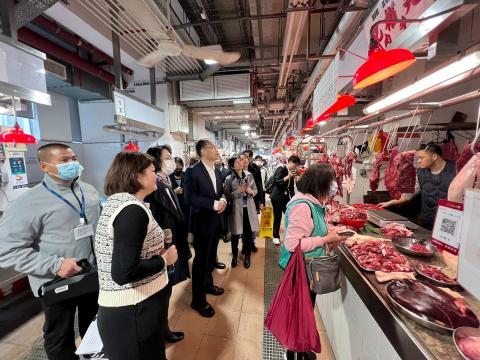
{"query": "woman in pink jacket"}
pixel 305 222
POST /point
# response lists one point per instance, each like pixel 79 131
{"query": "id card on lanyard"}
pixel 82 230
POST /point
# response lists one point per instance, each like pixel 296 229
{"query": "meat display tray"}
pixel 417 318
pixel 355 259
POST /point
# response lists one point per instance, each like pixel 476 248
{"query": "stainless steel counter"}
pixel 409 339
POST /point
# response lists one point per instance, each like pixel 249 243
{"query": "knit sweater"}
pixel 112 294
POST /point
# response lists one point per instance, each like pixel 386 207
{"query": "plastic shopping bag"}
pixel 266 223
pixel 290 317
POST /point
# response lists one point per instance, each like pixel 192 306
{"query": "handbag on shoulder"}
pixel 324 273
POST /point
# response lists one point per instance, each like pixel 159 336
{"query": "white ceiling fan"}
pixel 169 44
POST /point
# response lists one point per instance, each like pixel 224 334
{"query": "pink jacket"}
pixel 300 226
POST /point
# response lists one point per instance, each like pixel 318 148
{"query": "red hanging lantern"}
pixel 131 147
pixel 17 136
pixel 380 65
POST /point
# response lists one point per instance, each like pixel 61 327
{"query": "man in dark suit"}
pixel 257 176
pixel 204 193
pixel 283 191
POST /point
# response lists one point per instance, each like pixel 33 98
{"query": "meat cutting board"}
pixel 384 217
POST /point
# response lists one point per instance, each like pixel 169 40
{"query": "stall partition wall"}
pixel 351 329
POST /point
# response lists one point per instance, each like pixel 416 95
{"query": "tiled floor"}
pixel 235 332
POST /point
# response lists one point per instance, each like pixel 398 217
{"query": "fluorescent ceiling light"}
pixel 245 126
pixel 247 116
pixel 203 14
pixel 210 61
pixel 445 74
pixel 246 133
pixel 254 134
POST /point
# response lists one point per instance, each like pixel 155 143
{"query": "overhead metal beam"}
pixel 277 61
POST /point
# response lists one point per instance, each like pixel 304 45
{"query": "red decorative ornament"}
pixel 17 136
pixel 381 65
pixel 131 147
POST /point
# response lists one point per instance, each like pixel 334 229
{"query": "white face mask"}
pixel 258 163
pixel 333 189
pixel 168 167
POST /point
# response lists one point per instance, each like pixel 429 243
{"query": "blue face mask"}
pixel 69 171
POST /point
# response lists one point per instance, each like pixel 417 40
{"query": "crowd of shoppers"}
pixel 151 198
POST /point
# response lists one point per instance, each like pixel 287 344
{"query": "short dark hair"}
pixel 231 161
pixel 44 150
pixel 156 153
pixel 294 159
pixel 123 172
pixel 258 157
pixel 248 152
pixel 179 161
pixel 200 145
pixel 317 180
pixel 431 148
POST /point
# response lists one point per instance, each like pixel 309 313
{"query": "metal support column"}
pixel 117 61
pixel 7 9
pixel 153 87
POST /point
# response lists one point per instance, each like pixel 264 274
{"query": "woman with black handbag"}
pixel 305 223
pixel 240 189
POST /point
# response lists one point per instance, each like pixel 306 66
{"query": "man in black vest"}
pixel 433 179
pixel 204 194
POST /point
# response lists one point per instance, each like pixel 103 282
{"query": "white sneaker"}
pixel 276 241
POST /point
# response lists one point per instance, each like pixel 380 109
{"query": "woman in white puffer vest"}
pixel 132 263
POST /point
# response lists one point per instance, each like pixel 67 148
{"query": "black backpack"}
pixel 269 184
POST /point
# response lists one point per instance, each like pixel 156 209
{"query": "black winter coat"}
pixel 169 217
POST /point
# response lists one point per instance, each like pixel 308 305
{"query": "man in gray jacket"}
pixel 45 232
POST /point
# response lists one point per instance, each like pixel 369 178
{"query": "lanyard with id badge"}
pixel 83 229
pixel 86 281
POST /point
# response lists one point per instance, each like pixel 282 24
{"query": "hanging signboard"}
pixel 448 226
pixel 386 33
pixel 325 93
pixel 469 258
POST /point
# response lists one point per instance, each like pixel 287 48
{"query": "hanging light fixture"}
pixel 17 136
pixel 382 64
pixel 343 102
pixel 131 147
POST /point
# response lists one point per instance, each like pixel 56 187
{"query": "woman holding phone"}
pixel 240 189
pixel 305 222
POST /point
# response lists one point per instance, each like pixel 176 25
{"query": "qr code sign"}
pixel 448 226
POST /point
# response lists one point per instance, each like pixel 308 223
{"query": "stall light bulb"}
pixel 446 73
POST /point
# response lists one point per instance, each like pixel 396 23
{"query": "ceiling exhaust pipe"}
pixel 342 34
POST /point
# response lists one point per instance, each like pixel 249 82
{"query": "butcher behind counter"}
pixel 433 179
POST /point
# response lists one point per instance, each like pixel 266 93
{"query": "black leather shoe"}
pixel 220 265
pixel 234 261
pixel 246 262
pixel 205 310
pixel 254 248
pixel 174 336
pixel 215 290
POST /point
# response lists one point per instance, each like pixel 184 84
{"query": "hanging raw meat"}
pixel 323 159
pixel 375 175
pixel 468 177
pixel 466 155
pixel 406 173
pixel 349 159
pixel 337 164
pixel 401 174
pixel 449 148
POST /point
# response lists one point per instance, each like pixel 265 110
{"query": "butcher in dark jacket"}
pixel 167 212
pixel 283 191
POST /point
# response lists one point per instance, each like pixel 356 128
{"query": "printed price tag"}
pixel 448 226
